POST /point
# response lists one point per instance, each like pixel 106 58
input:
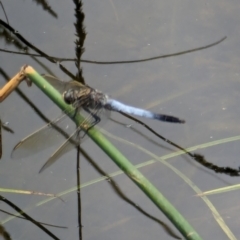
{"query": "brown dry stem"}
pixel 13 83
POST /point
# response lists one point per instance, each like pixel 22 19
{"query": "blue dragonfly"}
pixel 92 104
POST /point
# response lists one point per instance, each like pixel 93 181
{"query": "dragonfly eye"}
pixel 68 97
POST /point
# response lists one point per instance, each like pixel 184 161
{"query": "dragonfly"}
pixel 89 102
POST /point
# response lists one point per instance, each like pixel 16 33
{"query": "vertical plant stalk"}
pixel 123 163
pixel 79 49
pixel 81 35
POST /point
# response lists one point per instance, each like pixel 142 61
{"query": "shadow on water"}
pixel 26 216
pixel 4 233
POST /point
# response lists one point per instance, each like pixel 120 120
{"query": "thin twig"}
pixel 121 61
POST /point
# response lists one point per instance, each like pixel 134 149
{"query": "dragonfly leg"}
pixel 95 116
pixel 75 112
pixel 97 119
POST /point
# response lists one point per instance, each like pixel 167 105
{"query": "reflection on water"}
pixel 4 233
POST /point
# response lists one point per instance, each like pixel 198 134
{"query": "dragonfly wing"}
pixel 45 137
pixel 56 83
pixel 78 136
pixel 75 139
pixel 62 86
pixel 67 146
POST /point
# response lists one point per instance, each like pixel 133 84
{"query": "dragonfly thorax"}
pixel 86 97
pixel 98 98
pixel 72 95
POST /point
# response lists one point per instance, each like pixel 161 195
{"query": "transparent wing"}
pixel 78 136
pixel 60 85
pixel 67 146
pixel 55 132
pixel 49 135
pixel 56 83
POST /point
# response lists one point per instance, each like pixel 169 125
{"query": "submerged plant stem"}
pixel 124 164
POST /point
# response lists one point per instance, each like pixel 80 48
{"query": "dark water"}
pixel 202 88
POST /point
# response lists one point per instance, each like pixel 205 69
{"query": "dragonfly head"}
pixel 69 96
